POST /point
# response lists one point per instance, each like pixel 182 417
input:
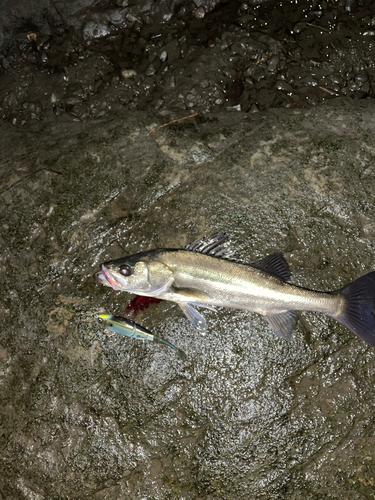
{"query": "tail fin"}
pixel 359 316
pixel 179 353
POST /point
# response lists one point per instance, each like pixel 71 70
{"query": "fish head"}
pixel 134 274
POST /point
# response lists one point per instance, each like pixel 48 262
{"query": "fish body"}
pixel 199 278
pixel 204 274
pixel 124 326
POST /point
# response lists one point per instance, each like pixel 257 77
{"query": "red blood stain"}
pixel 140 303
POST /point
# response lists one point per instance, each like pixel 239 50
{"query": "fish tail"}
pixel 359 314
pixel 179 353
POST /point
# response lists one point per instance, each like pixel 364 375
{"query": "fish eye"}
pixel 125 270
pixel 100 320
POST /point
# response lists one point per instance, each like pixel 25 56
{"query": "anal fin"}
pixel 283 323
pixel 194 316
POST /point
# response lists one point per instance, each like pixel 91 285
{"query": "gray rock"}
pixel 281 85
pixel 273 63
pixel 95 29
pixel 200 13
pixel 248 416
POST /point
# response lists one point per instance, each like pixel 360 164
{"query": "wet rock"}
pixel 285 86
pixel 247 415
pixel 151 70
pixel 265 98
pixel 170 52
pixel 309 80
pixel 361 77
pixel 199 13
pixel 73 101
pixel 258 74
pixel 95 29
pixel 299 27
pixel 273 63
pixel 175 41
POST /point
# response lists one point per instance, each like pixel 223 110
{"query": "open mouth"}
pixel 105 278
pixel 111 280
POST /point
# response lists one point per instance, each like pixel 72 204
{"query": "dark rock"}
pixel 247 415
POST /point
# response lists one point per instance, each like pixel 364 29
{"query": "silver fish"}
pixel 206 274
pixel 127 327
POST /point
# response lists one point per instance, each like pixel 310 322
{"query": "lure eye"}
pixel 100 320
pixel 125 270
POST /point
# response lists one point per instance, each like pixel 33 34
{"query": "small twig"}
pixel 319 27
pixel 260 61
pixel 328 91
pixel 31 37
pixel 173 121
pixel 59 14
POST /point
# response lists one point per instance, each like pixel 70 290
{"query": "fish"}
pixel 208 273
pixel 127 327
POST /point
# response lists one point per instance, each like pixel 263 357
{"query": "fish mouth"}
pixel 100 278
pixel 106 278
pixel 111 280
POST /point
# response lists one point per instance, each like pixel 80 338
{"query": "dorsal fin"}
pixel 218 245
pixel 274 264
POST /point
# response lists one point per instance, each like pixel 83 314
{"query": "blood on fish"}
pixel 140 303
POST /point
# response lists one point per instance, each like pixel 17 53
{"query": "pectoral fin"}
pixel 194 316
pixel 282 323
pixel 157 289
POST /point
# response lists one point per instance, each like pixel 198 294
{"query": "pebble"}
pixel 199 13
pixel 258 74
pixel 179 58
pixel 128 73
pixel 73 101
pixel 151 70
pixel 284 86
pixel 273 63
pixel 253 108
pixel 309 80
pixel 361 77
pixel 94 29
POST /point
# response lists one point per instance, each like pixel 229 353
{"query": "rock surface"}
pixel 248 416
pixel 85 60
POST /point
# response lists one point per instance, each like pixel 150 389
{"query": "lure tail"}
pixel 179 353
pixel 359 316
